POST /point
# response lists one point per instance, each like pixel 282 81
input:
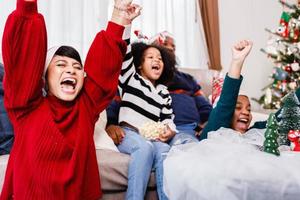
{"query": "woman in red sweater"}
pixel 53 156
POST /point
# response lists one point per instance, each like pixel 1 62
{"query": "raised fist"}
pixel 125 11
pixel 241 49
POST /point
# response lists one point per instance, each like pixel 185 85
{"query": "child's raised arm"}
pixel 239 53
pixel 221 115
pixel 105 56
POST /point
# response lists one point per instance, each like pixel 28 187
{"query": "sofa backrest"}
pixel 203 77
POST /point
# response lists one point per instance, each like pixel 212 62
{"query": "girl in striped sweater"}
pixel 145 99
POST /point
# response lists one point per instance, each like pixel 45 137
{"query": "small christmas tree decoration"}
pixel 294 137
pixel 290 117
pixel 152 130
pixel 271 135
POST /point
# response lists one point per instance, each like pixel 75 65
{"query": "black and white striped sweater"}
pixel 142 102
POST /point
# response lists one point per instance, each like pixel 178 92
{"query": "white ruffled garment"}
pixel 229 166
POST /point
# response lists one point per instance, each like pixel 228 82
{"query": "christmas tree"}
pixel 290 117
pixel 271 135
pixel 283 49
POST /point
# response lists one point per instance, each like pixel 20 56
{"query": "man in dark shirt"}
pixel 6 129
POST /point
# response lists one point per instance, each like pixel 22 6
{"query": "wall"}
pixel 68 22
pixel 247 19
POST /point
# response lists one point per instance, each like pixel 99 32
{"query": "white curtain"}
pixel 68 22
pixel 182 19
pixel 75 23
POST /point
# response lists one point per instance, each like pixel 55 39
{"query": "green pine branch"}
pixel 291 6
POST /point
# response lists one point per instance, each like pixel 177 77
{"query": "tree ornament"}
pixel 293 85
pixel 271 135
pixel 288 68
pixel 293 29
pixel 283 86
pixel 294 49
pixel 296 35
pixel 297 45
pixel 277 104
pixel 268 96
pixel 294 136
pixel 295 66
pixel 272 50
pixel 281 47
pixel 283 24
pixel 280 74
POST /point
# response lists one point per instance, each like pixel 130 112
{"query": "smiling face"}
pixel 242 114
pixel 65 77
pixel 152 65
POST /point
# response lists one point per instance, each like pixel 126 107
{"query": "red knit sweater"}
pixel 53 156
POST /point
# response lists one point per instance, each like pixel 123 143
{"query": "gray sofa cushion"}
pixel 113 168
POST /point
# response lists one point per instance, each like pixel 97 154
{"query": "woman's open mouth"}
pixel 68 85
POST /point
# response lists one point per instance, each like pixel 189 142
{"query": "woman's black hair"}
pixel 138 49
pixel 68 51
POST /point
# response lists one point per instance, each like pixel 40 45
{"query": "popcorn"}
pixel 151 130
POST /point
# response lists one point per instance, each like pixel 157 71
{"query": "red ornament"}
pixel 283 29
pixel 294 136
pixel 296 35
pixel 288 69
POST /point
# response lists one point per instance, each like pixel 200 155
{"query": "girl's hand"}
pixel 166 135
pixel 125 12
pixel 116 133
pixel 241 49
pixel 239 53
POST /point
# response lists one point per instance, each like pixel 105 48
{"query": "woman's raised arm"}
pixel 24 48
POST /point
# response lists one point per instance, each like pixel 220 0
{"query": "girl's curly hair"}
pixel 138 49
